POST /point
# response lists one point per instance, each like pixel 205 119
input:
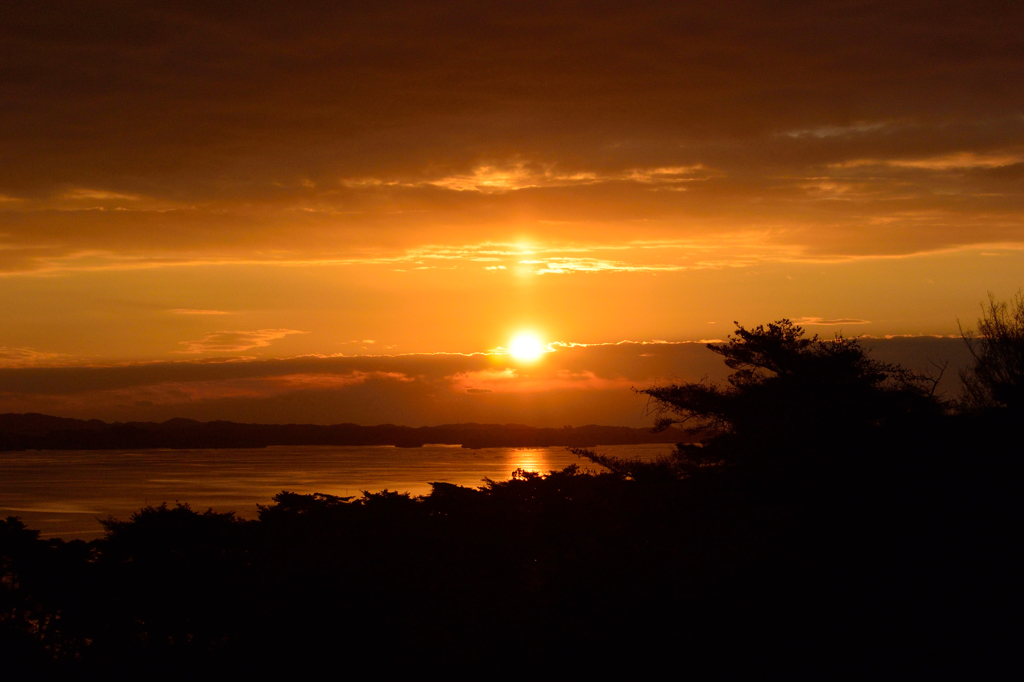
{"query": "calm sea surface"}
pixel 64 493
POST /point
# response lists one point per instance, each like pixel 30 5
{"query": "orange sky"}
pixel 230 181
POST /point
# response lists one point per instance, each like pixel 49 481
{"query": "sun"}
pixel 526 347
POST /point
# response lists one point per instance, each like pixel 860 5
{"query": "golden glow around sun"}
pixel 526 347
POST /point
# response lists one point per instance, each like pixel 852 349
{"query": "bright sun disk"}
pixel 526 347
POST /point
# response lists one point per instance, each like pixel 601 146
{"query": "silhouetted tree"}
pixel 21 618
pixel 996 379
pixel 790 392
pixel 890 546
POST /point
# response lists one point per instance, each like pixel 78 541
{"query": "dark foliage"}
pixel 882 545
pixel 786 386
pixel 996 378
pixel 566 572
pixel 791 397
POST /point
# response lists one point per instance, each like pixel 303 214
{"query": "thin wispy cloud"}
pixel 828 322
pixel 942 162
pixel 735 251
pixel 490 178
pixel 562 266
pixel 235 341
pixel 29 357
pixel 195 311
pixel 827 131
pixel 98 195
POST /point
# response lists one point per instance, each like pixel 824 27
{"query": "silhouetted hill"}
pixel 885 549
pixel 43 432
pixel 40 424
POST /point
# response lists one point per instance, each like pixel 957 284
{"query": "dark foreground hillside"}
pixel 843 521
pixel 874 550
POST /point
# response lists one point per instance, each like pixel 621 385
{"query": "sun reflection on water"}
pixel 528 459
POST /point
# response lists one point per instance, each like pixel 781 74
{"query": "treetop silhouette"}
pixel 997 377
pixel 786 386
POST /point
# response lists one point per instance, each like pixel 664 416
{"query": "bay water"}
pixel 66 493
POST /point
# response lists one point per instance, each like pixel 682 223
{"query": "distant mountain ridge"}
pixel 44 432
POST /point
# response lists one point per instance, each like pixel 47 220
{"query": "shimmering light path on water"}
pixel 64 493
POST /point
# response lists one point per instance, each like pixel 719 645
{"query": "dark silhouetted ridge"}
pixel 43 432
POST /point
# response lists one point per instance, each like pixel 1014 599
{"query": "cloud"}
pixel 193 311
pixel 236 341
pixel 666 174
pixel 171 393
pixel 514 176
pixel 98 195
pixel 943 162
pixel 393 164
pixel 561 266
pixel 512 381
pixel 28 357
pixel 575 384
pixel 823 321
pixel 562 258
pixel 306 130
pixel 827 131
